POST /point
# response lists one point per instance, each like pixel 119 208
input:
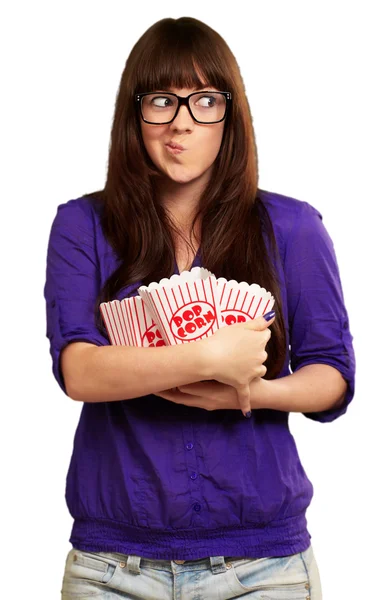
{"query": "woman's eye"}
pixel 201 102
pixel 210 101
pixel 161 101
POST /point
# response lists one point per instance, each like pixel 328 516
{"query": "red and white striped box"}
pixel 129 323
pixel 185 306
pixel 240 302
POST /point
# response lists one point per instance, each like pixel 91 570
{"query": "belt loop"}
pixel 217 564
pixel 133 563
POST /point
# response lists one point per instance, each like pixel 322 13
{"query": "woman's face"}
pixel 201 142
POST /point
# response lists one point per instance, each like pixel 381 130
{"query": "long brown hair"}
pixel 235 224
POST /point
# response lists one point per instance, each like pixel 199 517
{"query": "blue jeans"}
pixel 110 576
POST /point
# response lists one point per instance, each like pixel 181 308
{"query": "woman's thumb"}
pixel 261 322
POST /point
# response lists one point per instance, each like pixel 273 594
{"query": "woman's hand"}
pixel 237 353
pixel 210 395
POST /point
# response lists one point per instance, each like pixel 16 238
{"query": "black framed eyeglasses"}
pixel 160 108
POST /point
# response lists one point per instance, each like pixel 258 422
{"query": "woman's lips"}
pixel 174 150
pixel 176 145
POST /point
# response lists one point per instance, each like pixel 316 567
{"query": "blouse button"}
pixel 189 446
pixel 193 476
pixel 197 507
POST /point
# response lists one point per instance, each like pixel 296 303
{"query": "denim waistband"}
pixel 135 563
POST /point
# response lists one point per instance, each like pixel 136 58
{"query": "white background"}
pixel 317 78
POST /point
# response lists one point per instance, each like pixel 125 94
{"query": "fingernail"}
pixel 269 315
pixel 248 414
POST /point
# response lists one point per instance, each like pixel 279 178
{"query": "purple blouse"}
pixel 167 481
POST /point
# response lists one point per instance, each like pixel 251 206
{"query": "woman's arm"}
pixel 312 388
pixel 321 351
pixel 111 373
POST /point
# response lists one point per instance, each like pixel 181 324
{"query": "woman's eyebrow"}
pixel 205 88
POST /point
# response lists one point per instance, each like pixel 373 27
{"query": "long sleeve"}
pixel 318 319
pixel 72 282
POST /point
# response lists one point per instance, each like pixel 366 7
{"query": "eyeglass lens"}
pixel 206 107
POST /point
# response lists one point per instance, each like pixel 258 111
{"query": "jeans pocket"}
pixel 279 578
pixel 84 568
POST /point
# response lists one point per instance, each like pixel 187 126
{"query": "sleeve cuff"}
pixel 326 416
pixel 56 351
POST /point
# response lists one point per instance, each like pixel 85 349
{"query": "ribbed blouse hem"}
pixel 278 538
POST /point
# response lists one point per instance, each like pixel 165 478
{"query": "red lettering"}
pixel 200 322
pixel 188 315
pixel 190 327
pixel 209 316
pixel 150 336
pixel 177 320
pixel 158 343
pixel 230 319
pixel 197 309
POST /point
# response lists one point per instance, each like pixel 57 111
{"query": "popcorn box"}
pixel 129 323
pixel 240 302
pixel 185 306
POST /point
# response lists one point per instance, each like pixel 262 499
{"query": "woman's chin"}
pixel 182 177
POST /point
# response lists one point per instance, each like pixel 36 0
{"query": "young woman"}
pixel 171 489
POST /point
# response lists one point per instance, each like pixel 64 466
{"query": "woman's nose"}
pixel 183 117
